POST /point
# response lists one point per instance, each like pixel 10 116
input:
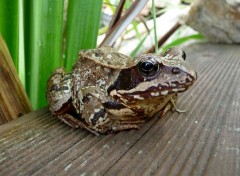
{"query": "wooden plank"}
pixel 203 141
pixel 13 98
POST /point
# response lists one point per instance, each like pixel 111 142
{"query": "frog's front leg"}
pixel 96 117
pixel 169 106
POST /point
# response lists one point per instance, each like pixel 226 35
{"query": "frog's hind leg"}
pixel 104 123
pixel 58 89
pixel 58 77
pixel 126 125
pixel 75 123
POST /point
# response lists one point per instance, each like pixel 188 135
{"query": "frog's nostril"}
pixel 184 55
pixel 176 70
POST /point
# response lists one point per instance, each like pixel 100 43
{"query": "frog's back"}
pixel 99 67
pixel 107 57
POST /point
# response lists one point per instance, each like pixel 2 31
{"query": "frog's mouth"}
pixel 154 91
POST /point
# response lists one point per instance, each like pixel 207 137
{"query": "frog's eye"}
pixel 148 67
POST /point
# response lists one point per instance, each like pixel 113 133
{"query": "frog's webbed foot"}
pixel 75 123
pixel 171 105
pixel 175 107
pixel 173 100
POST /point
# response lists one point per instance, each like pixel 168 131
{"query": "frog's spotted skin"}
pixel 108 91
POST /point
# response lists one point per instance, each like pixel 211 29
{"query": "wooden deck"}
pixel 203 141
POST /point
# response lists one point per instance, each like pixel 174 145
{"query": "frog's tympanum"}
pixel 107 91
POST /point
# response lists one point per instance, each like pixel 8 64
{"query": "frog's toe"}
pixel 122 127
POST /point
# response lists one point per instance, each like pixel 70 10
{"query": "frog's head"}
pixel 154 76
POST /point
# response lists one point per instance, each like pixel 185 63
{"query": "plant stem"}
pixel 155 25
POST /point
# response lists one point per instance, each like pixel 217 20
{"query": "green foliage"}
pixel 182 40
pixel 9 18
pixel 37 38
pixel 43 44
pixel 155 25
pixel 184 34
pixel 137 48
pixel 82 27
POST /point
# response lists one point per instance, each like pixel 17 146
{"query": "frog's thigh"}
pixel 58 89
pixel 59 79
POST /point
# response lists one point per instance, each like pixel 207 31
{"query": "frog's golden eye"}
pixel 148 67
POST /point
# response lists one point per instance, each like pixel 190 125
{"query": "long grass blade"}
pixel 134 52
pixel 9 26
pixel 83 20
pixel 182 40
pixel 155 25
pixel 43 45
pixel 117 14
pixel 121 25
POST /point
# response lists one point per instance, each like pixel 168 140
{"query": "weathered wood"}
pixel 203 141
pixel 13 99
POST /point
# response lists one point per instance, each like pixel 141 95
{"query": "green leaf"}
pixel 9 26
pixel 83 20
pixel 134 52
pixel 182 40
pixel 43 45
pixel 155 25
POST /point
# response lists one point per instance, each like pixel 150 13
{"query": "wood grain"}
pixel 13 99
pixel 203 141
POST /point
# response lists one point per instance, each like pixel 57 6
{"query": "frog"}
pixel 107 91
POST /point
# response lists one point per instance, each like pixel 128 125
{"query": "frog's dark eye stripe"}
pixel 148 67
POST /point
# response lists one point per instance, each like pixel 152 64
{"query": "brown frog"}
pixel 108 91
